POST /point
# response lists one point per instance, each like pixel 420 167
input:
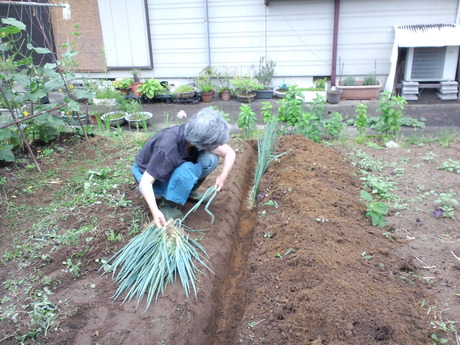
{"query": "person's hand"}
pixel 220 181
pixel 159 219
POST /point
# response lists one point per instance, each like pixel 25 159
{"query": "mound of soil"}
pixel 303 266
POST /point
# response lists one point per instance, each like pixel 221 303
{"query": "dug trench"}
pixel 316 271
pixel 303 266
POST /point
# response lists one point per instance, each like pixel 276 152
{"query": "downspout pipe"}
pixel 335 39
pixel 208 42
pixel 457 18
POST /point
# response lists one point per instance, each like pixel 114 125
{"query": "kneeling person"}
pixel 175 162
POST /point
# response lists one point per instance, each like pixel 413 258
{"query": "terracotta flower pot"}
pixel 225 95
pixel 360 91
pixel 207 97
pixel 134 87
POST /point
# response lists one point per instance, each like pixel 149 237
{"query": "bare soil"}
pixel 303 266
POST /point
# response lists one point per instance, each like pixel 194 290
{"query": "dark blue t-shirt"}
pixel 164 152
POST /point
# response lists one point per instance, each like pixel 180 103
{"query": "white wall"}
pixel 296 34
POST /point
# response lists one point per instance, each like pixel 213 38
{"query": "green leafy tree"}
pixel 18 72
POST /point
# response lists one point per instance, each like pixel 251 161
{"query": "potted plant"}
pixel 136 116
pixel 224 90
pixel 244 88
pixel 366 88
pixel 333 95
pixel 184 91
pixel 123 85
pixel 150 88
pixel 359 90
pixel 136 81
pixel 281 90
pixel 106 95
pixel 264 76
pixel 319 89
pixel 205 84
pixel 115 118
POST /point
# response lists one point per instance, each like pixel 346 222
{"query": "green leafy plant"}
pixel 349 81
pixel 361 118
pixel 310 123
pixel 264 150
pixel 151 88
pixel 245 85
pixel 266 111
pixel 123 83
pixel 224 81
pixel 187 88
pixel 266 72
pixel 320 85
pixel 447 202
pixel 107 91
pixel 451 166
pixel 447 137
pixel 18 71
pixel 379 185
pixel 204 80
pixel 391 110
pixel 247 120
pixel 375 210
pixel 370 79
pixel 334 124
pixel 290 108
pixel 136 73
pixel 438 340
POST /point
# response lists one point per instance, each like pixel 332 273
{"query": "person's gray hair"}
pixel 207 130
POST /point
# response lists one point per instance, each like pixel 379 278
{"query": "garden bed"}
pixel 304 266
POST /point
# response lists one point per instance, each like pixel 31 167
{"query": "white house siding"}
pixel 297 34
pixel 367 30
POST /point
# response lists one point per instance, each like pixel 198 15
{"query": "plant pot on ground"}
pixel 224 90
pixel 139 119
pixel 281 90
pixel 205 84
pixel 151 88
pixel 136 82
pixel 225 95
pixel 244 88
pixel 123 85
pixel 264 77
pixel 115 118
pixel 359 89
pixel 333 95
pixel 184 92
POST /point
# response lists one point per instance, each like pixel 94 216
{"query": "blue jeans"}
pixel 183 178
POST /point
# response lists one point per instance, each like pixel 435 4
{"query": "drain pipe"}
pixel 457 18
pixel 208 43
pixel 335 39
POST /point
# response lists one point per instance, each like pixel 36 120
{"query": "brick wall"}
pixel 90 44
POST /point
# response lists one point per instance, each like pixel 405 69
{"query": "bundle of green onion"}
pixel 154 258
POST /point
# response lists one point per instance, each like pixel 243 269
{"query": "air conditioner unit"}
pixel 431 63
